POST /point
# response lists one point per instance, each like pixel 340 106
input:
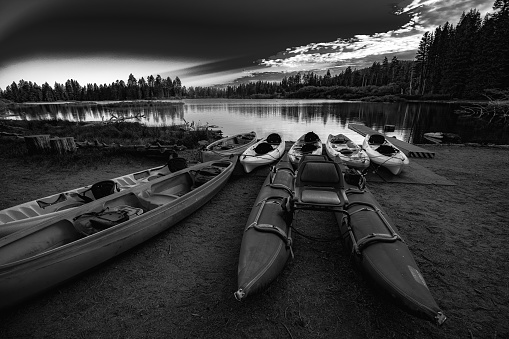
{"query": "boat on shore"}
pixel 382 254
pixel 367 233
pixel 307 144
pixel 264 152
pixel 343 150
pixel 37 258
pixel 442 137
pixel 266 241
pixel 383 153
pixel 228 146
pixel 32 212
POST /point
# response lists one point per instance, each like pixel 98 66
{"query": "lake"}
pixel 291 118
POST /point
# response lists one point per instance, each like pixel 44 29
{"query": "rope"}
pixel 312 238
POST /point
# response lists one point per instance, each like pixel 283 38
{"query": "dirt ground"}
pixel 180 284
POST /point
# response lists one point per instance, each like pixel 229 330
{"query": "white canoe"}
pixel 33 212
pixel 229 146
pixel 382 152
pixel 343 150
pixel 37 258
pixel 264 152
pixel 308 143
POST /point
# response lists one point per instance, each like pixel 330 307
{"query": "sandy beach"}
pixel 180 283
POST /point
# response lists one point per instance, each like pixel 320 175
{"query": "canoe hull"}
pixel 31 213
pixel 264 253
pixel 250 160
pixel 229 146
pixel 23 275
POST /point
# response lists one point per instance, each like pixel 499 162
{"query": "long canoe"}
pixel 32 212
pixel 40 257
pixel 228 146
pixel 380 251
pixel 266 241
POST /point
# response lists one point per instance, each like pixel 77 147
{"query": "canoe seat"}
pixel 319 184
pixel 176 163
pixel 104 188
pixel 150 201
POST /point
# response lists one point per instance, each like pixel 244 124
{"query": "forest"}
pixel 466 61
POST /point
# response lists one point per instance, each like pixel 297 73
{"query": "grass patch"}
pixel 113 133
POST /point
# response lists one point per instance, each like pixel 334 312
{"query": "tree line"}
pixel 465 60
pixel 134 89
pixel 461 61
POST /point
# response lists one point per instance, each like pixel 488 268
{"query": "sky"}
pixel 207 43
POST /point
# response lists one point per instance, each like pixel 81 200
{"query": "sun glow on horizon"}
pixel 89 70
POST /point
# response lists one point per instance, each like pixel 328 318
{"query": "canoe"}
pixel 264 152
pixel 382 152
pixel 35 211
pixel 40 257
pixel 382 254
pixel 308 143
pixel 343 150
pixel 228 146
pixel 442 137
pixel 266 241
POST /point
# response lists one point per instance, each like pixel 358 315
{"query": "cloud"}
pixel 362 50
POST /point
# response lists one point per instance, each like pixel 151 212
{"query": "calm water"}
pixel 291 118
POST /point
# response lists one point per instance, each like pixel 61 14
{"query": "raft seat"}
pixel 319 184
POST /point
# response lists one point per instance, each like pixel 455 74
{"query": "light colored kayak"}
pixel 264 152
pixel 308 143
pixel 266 241
pixel 226 147
pixel 344 151
pixel 382 152
pixel 51 252
pixel 35 211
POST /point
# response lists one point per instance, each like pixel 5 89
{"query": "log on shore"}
pixel 63 145
pixel 37 143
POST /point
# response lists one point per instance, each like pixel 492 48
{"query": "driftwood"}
pixel 37 143
pixel 9 134
pixel 63 145
pixel 148 149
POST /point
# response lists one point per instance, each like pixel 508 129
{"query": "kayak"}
pixel 380 251
pixel 266 241
pixel 35 211
pixel 383 153
pixel 228 146
pixel 308 143
pixel 55 250
pixel 342 150
pixel 264 152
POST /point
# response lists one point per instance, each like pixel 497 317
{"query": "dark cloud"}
pixel 211 30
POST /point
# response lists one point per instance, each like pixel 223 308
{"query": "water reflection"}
pixel 292 118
